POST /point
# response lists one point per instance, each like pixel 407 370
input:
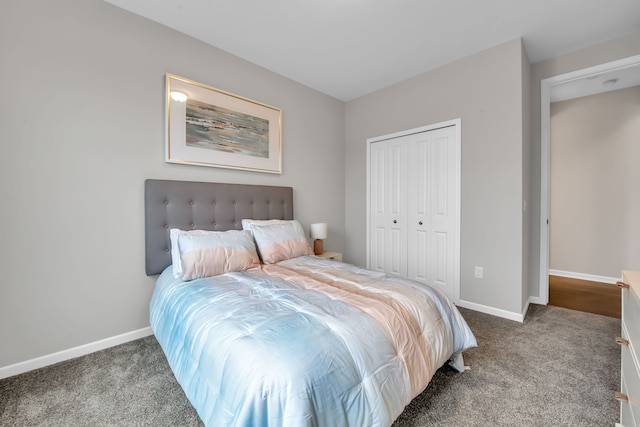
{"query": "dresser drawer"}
pixel 630 411
pixel 626 416
pixel 631 316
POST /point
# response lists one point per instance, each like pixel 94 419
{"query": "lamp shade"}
pixel 319 230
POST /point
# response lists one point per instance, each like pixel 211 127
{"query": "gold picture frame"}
pixel 206 126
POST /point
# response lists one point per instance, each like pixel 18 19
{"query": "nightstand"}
pixel 336 256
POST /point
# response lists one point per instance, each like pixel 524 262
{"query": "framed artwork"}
pixel 206 126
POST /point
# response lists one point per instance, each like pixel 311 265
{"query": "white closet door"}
pixel 388 185
pixel 419 206
pixel 431 208
pixel 414 205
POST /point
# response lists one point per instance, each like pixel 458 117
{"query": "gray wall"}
pixel 82 127
pixel 595 184
pixel 485 91
pixel 595 55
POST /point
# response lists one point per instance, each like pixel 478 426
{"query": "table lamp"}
pixel 318 232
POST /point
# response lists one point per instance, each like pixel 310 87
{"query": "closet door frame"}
pixel 456 123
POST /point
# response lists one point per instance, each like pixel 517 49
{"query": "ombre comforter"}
pixel 304 342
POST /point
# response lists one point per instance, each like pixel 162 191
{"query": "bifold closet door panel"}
pixel 431 207
pixel 388 186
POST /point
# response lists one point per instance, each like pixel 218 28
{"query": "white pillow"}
pixel 280 241
pixel 201 253
pixel 247 222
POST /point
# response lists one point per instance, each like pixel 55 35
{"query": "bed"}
pixel 259 332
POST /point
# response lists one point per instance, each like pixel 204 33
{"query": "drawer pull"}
pixel 621 397
pixel 622 285
pixel 622 341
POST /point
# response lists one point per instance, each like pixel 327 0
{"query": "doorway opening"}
pixel 548 87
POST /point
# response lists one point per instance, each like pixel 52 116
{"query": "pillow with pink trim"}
pixel 280 241
pixel 201 253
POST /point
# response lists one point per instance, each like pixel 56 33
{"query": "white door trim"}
pixel 457 123
pixel 545 157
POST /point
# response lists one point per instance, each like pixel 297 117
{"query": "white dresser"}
pixel 629 395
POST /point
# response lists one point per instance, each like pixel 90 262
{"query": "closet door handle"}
pixel 622 285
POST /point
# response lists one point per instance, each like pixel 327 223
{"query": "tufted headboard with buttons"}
pixel 204 206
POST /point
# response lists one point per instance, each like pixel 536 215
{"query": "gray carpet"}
pixel 558 368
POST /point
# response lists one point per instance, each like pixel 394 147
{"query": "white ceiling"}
pixel 348 48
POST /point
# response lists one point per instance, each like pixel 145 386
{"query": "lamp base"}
pixel 317 247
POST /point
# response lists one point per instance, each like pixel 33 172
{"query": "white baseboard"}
pixel 60 356
pixel 582 276
pixel 538 300
pixel 526 308
pixel 518 317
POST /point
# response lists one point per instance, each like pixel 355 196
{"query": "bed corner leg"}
pixel 457 362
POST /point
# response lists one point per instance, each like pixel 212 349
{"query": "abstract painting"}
pixel 210 127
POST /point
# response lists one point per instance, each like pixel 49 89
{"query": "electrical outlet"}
pixel 479 272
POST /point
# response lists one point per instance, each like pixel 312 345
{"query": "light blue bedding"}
pixel 297 345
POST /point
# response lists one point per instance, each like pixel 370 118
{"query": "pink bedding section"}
pixel 410 318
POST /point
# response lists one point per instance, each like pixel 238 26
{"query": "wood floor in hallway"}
pixel 585 295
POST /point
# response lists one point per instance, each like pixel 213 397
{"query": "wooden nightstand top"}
pixel 336 256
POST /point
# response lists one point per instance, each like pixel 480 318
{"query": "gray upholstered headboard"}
pixel 204 206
